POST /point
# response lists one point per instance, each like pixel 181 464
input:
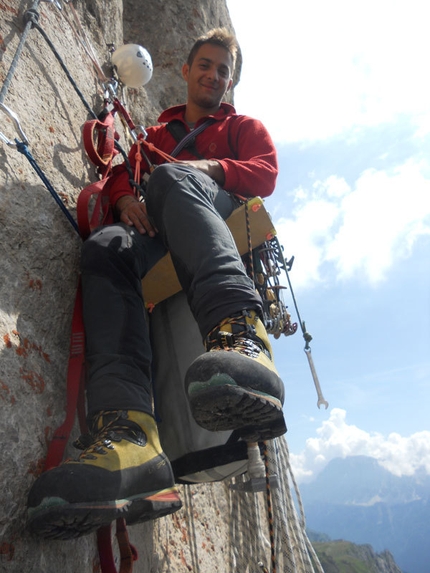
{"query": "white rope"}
pixel 83 39
pixel 249 530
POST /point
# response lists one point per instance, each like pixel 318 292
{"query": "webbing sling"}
pixel 128 552
pixel 99 137
pixel 186 140
pixel 75 381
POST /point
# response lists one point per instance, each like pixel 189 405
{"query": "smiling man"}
pixel 122 470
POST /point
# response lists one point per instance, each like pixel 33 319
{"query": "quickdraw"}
pixel 264 265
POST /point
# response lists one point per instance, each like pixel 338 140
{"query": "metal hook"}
pixel 17 125
pixel 110 89
pixel 55 2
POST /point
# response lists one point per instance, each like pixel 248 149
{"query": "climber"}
pixel 122 471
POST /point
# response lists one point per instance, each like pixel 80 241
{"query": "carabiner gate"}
pixel 55 2
pixel 17 125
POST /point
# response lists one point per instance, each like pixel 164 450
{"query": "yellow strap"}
pixel 162 282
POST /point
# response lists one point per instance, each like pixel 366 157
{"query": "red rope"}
pixel 166 156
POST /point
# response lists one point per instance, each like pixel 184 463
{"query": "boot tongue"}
pixel 106 418
pixel 111 426
pixel 117 425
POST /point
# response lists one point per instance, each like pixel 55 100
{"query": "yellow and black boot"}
pixel 235 385
pixel 122 472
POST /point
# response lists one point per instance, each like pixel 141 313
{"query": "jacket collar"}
pixel 178 112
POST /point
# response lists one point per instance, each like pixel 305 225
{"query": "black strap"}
pixel 207 459
pixel 186 140
pixel 217 456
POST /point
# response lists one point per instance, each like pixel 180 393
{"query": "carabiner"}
pixel 110 89
pixel 17 125
pixel 55 2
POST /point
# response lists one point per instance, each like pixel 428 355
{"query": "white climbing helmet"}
pixel 133 64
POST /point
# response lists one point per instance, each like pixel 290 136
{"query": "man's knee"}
pixel 186 182
pixel 104 244
pixel 166 175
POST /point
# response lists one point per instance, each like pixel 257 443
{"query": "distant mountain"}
pixel 347 557
pixel 358 500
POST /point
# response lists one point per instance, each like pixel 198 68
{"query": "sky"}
pixel 343 89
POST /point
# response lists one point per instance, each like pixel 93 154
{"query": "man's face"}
pixel 209 76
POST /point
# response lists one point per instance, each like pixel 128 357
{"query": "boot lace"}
pixel 105 429
pixel 242 339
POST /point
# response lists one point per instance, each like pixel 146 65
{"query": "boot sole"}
pixel 219 406
pixel 69 521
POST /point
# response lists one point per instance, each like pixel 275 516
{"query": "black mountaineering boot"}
pixel 235 385
pixel 122 472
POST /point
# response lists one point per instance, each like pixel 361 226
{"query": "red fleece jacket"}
pixel 241 144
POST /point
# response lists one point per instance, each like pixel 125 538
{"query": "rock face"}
pixel 39 253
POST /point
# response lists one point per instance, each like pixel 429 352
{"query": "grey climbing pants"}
pixel 188 209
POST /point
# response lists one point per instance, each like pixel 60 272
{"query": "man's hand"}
pixel 133 212
pixel 210 167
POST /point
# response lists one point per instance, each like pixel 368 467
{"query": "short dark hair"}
pixel 218 37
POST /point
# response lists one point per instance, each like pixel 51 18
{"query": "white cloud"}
pixel 325 67
pixel 355 232
pixel 337 439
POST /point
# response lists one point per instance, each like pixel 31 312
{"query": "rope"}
pixel 165 156
pixel 23 148
pixel 34 22
pixel 189 516
pixel 307 338
pixel 249 239
pixel 289 549
pixel 82 37
pixel 17 55
pixel 269 509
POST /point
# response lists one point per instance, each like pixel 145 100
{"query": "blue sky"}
pixel 343 90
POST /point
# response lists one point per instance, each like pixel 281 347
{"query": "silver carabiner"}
pixel 138 130
pixel 110 89
pixel 17 125
pixel 55 2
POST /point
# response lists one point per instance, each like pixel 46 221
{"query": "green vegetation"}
pixel 346 557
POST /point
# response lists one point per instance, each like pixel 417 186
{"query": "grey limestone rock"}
pixel 39 255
